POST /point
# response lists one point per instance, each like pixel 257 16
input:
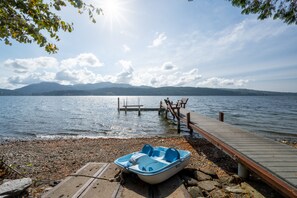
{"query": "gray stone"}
pixel 234 179
pixel 218 194
pixel 200 176
pixel 195 192
pixel 208 185
pixel 189 181
pixel 235 189
pixel 209 171
pixel 251 191
pixel 14 187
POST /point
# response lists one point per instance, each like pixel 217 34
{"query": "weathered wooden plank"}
pixel 281 163
pixel 272 152
pixel 274 147
pixel 73 184
pixel 277 152
pixel 293 181
pixel 283 169
pixel 272 156
pixel 171 188
pixel 267 147
pixel 260 159
pixel 105 186
pixel 287 175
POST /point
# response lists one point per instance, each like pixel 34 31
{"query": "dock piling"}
pixel 221 116
pixel 119 105
pixel 243 172
pixel 159 112
pixel 188 123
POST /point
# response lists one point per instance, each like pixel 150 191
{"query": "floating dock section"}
pixel 138 107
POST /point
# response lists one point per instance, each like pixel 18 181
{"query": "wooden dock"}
pixel 274 162
pixel 138 107
pixel 99 180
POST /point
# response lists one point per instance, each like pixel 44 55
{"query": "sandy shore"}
pixel 52 160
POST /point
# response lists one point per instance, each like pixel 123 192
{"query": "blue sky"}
pixel 205 43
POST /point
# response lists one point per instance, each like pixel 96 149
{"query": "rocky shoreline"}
pixel 47 162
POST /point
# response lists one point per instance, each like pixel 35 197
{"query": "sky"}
pixel 201 43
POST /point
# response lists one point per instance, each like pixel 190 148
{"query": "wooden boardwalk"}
pixel 98 180
pixel 274 162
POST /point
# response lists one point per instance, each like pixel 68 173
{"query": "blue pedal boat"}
pixel 154 165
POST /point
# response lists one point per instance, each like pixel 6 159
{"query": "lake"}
pixel 48 117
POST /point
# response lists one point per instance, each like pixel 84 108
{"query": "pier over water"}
pixel 274 162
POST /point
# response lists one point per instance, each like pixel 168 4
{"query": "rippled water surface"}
pixel 26 117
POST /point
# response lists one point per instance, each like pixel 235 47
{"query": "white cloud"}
pixel 161 37
pixel 31 78
pixel 82 60
pixel 126 48
pixel 168 66
pixel 67 71
pixel 31 64
pixel 159 76
pixel 126 75
pixel 77 76
pixel 222 82
pixel 67 75
pixel 247 32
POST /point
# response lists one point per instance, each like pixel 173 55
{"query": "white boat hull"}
pixel 162 176
pixel 154 165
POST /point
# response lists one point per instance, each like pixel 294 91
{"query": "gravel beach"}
pixel 48 161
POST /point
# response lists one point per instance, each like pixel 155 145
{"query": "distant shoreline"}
pixel 115 89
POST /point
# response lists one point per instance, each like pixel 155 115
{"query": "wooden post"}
pixel 188 123
pixel 159 112
pixel 125 109
pixel 138 110
pixel 119 105
pixel 243 172
pixel 221 116
pixel 178 120
pixel 178 125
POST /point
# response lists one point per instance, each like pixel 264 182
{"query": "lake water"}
pixel 44 117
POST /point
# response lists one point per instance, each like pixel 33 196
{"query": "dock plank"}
pixel 74 185
pixel 98 180
pixel 105 187
pixel 272 164
pixel 268 156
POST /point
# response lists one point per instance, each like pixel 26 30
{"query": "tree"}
pixel 28 21
pixel 285 10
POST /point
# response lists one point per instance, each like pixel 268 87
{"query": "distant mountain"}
pixel 99 86
pixel 42 87
pixel 6 92
pixel 107 88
